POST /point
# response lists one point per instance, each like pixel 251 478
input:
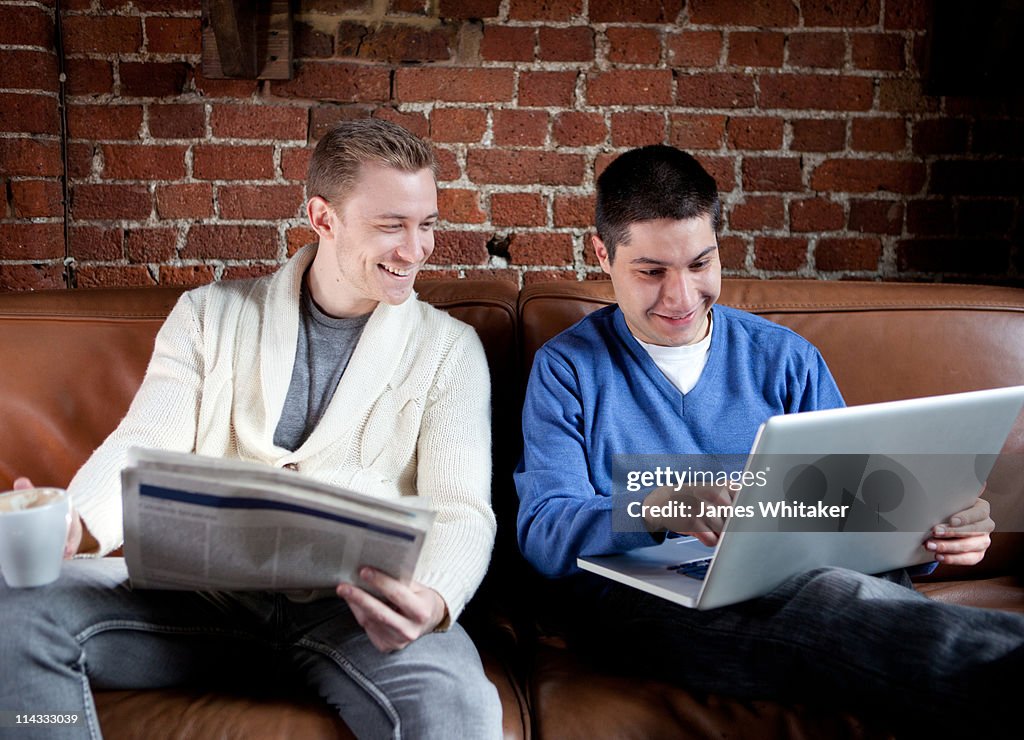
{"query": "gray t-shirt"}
pixel 322 352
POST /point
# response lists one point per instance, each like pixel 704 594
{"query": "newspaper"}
pixel 208 524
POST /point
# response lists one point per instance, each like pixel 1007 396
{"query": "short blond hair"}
pixel 335 163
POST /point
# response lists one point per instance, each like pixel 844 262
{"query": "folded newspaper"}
pixel 209 524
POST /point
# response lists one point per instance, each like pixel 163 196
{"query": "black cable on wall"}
pixel 58 34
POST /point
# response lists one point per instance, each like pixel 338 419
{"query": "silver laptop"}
pixel 936 450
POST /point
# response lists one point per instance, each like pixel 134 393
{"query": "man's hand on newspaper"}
pixel 74 528
pixel 410 612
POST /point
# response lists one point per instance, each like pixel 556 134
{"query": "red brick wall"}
pixel 831 160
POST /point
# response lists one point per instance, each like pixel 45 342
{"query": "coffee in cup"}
pixel 33 529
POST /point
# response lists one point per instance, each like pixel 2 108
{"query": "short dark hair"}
pixel 649 183
pixel 348 145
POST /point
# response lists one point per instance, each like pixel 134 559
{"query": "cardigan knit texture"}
pixel 594 393
pixel 410 417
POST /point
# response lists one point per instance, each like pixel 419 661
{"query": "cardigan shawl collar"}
pixel 372 365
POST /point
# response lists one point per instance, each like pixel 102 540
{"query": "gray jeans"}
pixel 89 630
pixel 829 637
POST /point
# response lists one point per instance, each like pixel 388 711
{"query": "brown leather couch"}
pixel 71 361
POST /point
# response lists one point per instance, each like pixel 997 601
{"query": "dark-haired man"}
pixel 667 371
pixel 331 367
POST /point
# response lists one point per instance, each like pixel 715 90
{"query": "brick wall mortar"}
pixel 855 198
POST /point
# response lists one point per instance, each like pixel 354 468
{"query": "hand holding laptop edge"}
pixel 964 539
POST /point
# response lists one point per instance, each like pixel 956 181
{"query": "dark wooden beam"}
pixel 234 27
pixel 274 40
pixel 247 39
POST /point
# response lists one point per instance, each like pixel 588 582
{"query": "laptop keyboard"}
pixel 693 568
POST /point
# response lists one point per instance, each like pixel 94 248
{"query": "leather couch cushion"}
pixel 184 714
pixel 1000 592
pixel 575 701
pixel 181 714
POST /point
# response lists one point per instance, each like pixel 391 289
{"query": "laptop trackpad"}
pixel 655 568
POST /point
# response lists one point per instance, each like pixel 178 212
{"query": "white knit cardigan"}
pixel 410 417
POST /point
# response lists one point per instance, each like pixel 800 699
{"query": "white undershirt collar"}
pixel 682 365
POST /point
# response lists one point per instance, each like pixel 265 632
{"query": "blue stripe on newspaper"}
pixel 242 502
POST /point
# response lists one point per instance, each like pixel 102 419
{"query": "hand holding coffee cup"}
pixel 75 529
pixel 34 532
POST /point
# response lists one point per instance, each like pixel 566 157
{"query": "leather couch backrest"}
pixel 883 341
pixel 71 362
pixel 490 308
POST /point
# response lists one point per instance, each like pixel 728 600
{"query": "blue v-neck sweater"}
pixel 594 393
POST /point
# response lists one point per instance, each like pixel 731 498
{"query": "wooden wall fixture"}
pixel 247 39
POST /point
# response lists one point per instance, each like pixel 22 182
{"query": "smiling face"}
pixel 667 276
pixel 374 241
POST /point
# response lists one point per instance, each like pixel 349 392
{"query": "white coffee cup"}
pixel 33 529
